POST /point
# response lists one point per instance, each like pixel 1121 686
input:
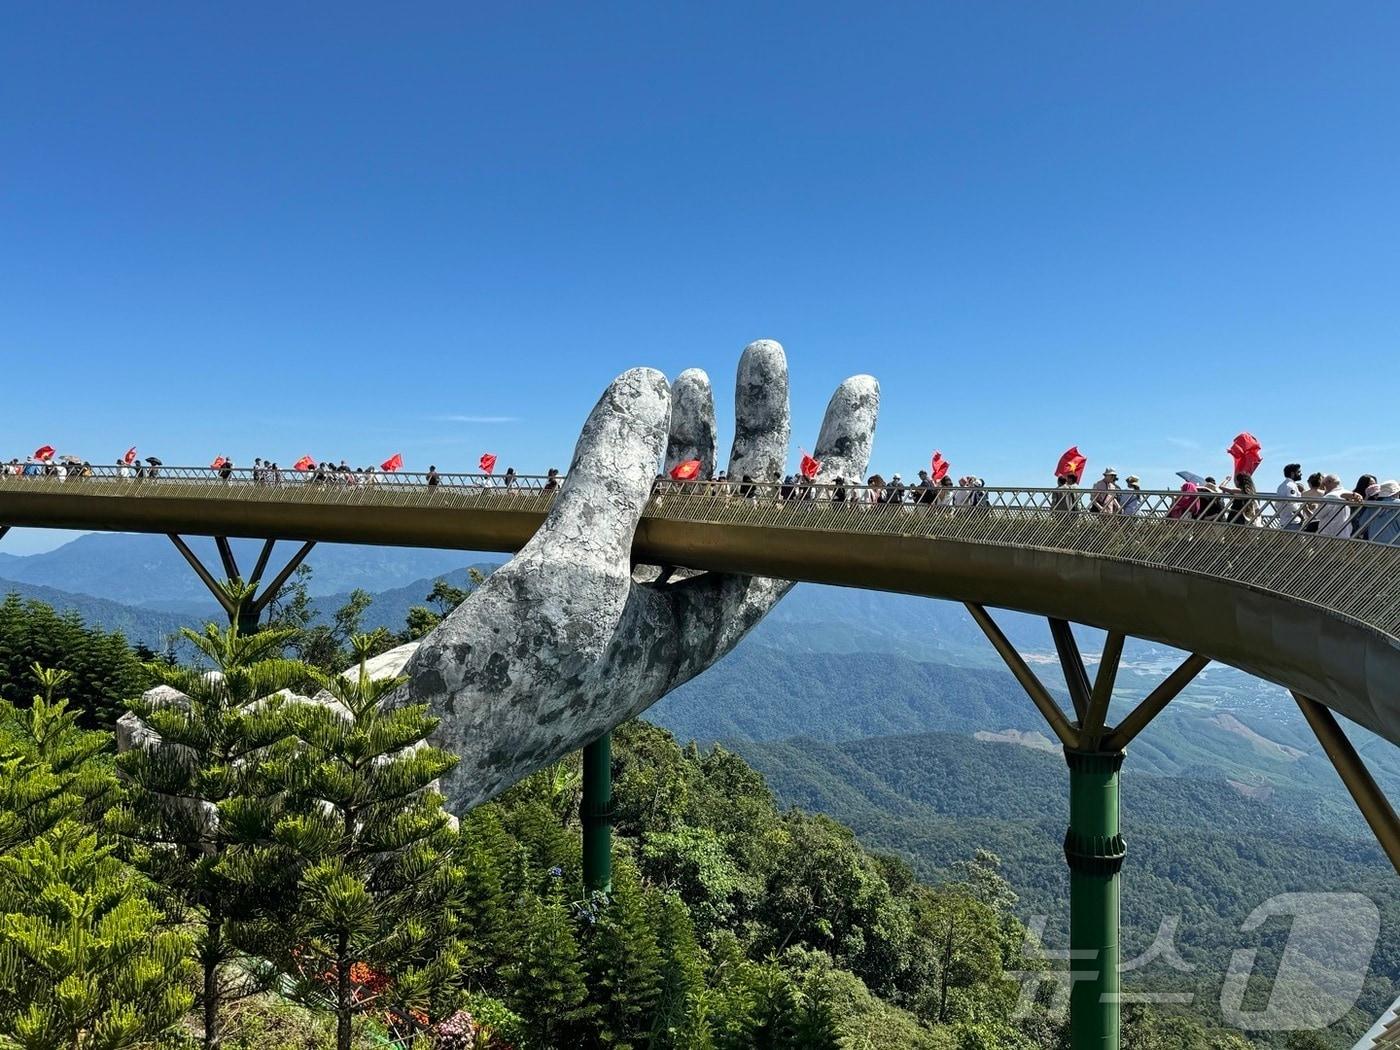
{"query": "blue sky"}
pixel 356 229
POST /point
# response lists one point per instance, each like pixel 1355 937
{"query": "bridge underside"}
pixel 1348 666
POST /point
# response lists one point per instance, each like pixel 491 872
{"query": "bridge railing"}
pixel 1366 521
pixel 1337 555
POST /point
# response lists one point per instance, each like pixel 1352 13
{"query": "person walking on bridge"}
pixel 1105 493
pixel 1288 514
pixel 1244 508
pixel 434 480
pixel 1333 516
pixel 1066 498
pixel 1380 522
pixel 1131 501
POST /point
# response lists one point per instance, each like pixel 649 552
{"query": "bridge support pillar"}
pixel 1094 850
pixel 595 814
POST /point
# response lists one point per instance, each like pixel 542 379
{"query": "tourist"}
pixel 226 471
pixel 1244 508
pixel 1380 522
pixel 1187 504
pixel 1363 485
pixel 1333 517
pixel 944 495
pixel 1105 493
pixel 433 479
pixel 1212 505
pixel 1066 498
pixel 1313 494
pixel 928 488
pixel 874 491
pixel 551 481
pixel 510 479
pixel 1131 502
pixel 977 491
pixel 894 493
pixel 838 493
pixel 1288 514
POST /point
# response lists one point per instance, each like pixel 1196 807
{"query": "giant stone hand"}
pixel 565 641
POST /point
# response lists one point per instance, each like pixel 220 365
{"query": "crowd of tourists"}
pixel 1319 503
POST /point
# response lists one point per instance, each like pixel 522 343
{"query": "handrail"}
pixel 1223 508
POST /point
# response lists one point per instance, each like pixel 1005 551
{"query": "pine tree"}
pixel 49 773
pixel 682 973
pixel 204 765
pixel 550 990
pixel 625 964
pixel 487 927
pixel 84 960
pixel 379 895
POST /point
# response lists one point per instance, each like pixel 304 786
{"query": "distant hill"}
pixel 139 626
pixel 147 570
pixel 1197 848
pixel 761 693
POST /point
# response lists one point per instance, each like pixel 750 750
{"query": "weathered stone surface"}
pixel 562 644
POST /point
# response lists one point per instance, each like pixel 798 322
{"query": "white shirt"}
pixel 1287 514
pixel 1332 516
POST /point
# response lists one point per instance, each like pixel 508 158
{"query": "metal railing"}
pixel 1334 554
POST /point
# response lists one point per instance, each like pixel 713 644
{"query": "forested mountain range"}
pixel 886 712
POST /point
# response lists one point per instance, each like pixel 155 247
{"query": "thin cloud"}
pixel 474 419
pixel 1186 443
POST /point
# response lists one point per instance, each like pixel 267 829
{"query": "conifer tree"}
pixel 204 766
pixel 379 894
pixel 624 963
pixel 682 973
pixel 84 960
pixel 486 921
pixel 49 773
pixel 551 994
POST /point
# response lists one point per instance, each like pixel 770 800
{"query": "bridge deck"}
pixel 1315 613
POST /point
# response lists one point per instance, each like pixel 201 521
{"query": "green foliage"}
pixel 84 960
pixel 212 785
pixel 549 988
pixel 378 882
pixel 442 599
pixel 103 671
pixel 624 963
pixel 326 646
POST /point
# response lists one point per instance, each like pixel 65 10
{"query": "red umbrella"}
pixel 1246 452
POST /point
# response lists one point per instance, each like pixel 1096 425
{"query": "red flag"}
pixel 1072 462
pixel 809 466
pixel 488 462
pixel 43 452
pixel 305 463
pixel 219 461
pixel 393 463
pixel 1246 452
pixel 130 456
pixel 940 467
pixel 687 471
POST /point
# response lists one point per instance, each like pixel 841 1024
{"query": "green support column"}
pixel 596 815
pixel 1094 850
